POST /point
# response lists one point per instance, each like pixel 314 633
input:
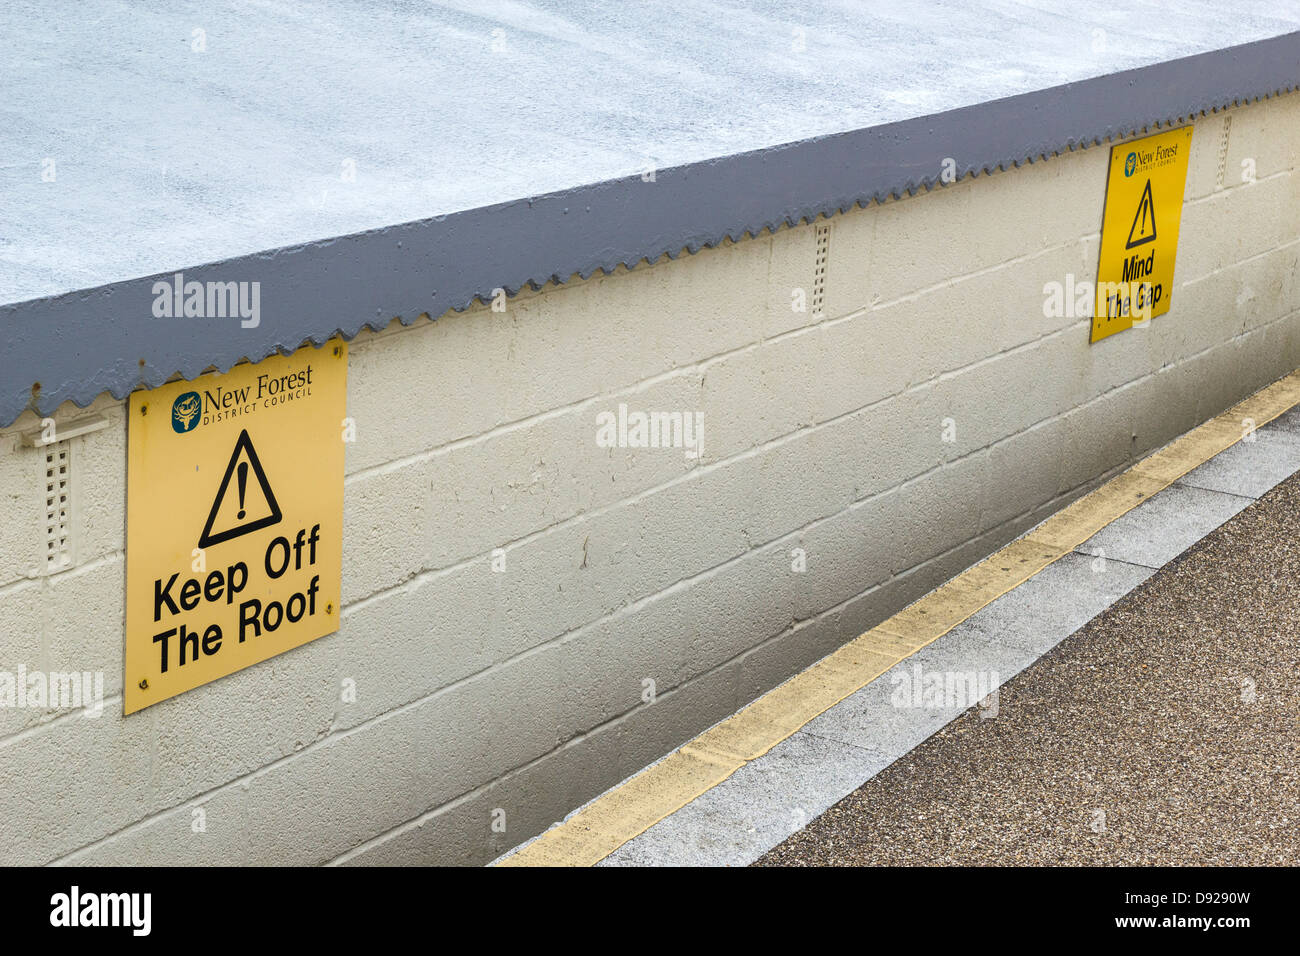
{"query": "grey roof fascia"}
pixel 78 345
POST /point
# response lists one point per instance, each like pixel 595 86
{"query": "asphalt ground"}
pixel 1165 731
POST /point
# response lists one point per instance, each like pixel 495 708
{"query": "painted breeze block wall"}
pixel 536 606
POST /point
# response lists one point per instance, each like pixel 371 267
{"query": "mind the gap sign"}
pixel 234 540
pixel 1139 230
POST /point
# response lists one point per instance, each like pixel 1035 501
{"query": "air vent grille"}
pixel 58 506
pixel 819 268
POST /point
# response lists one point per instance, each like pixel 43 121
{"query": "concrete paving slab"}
pixel 1164 526
pixel 756 808
pixel 1252 466
pixel 1056 602
pixel 871 719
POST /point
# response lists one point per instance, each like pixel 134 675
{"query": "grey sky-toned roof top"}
pixel 365 161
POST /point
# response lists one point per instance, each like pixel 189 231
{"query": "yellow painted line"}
pixel 604 825
pixel 637 804
pixel 1075 524
pixel 776 715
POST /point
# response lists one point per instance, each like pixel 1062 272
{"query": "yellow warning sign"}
pixel 1139 230
pixel 234 520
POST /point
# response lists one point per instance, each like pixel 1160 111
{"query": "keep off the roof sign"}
pixel 1139 230
pixel 234 520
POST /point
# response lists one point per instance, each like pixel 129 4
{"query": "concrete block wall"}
pixel 510 585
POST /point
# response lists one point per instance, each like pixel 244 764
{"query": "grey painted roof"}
pixel 496 143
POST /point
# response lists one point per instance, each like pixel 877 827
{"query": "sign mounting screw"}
pixel 144 683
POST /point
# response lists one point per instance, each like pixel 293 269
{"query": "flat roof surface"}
pixel 361 162
pixel 167 157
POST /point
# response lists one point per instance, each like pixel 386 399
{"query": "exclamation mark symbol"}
pixel 243 485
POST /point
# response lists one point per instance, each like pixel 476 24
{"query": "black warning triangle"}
pixel 1144 221
pixel 208 538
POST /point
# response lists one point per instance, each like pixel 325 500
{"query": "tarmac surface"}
pixel 1165 731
